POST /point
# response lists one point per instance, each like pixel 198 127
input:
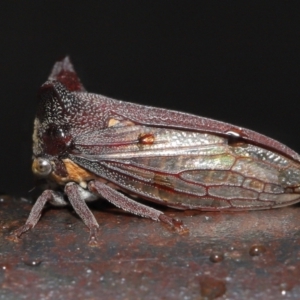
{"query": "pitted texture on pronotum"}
pixel 104 148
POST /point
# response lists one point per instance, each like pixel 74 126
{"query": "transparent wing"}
pixel 189 170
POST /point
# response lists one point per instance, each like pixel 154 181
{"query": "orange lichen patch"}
pixel 75 173
pixel 146 139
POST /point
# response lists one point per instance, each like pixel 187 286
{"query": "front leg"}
pixel 74 193
pixel 35 214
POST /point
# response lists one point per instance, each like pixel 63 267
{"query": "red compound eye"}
pixel 56 140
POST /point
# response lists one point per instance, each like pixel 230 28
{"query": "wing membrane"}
pixel 187 169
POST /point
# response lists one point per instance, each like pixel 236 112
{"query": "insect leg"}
pixel 128 204
pixel 36 210
pixel 75 197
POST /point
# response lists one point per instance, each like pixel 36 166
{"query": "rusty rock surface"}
pixel 241 255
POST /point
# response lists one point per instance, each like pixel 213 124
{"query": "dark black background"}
pixel 236 61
